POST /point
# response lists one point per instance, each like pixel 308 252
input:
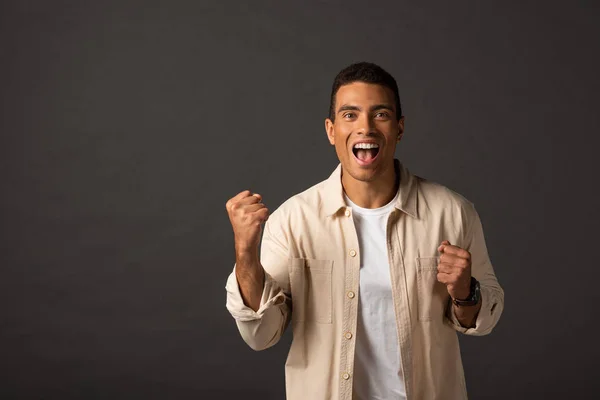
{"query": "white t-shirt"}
pixel 377 355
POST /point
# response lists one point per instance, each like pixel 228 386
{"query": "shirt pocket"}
pixel 311 287
pixel 431 294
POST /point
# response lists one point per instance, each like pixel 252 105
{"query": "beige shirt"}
pixel 311 258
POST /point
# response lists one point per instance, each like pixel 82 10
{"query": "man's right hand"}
pixel 247 213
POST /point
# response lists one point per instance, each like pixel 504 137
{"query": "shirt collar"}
pixel 407 199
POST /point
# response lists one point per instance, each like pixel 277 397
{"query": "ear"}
pixel 329 130
pixel 400 128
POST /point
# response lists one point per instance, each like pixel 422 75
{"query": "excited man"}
pixel 376 268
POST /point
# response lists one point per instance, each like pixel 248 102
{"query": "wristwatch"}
pixel 474 295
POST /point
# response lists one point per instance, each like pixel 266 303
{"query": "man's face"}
pixel 365 131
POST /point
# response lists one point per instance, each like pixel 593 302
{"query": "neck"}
pixel 372 194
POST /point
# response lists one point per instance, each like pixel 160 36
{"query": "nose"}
pixel 365 124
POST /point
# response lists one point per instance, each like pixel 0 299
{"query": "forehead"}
pixel 363 93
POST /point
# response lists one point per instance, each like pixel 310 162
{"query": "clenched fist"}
pixel 454 270
pixel 247 214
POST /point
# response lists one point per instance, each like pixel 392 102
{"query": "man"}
pixel 375 268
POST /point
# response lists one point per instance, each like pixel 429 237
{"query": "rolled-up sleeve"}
pixel 492 294
pixel 263 328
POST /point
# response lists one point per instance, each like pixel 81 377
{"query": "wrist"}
pixel 244 248
pixel 463 293
pixel 472 298
pixel 245 257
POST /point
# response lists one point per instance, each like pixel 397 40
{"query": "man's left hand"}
pixel 454 270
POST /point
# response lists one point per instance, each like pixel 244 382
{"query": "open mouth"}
pixel 365 153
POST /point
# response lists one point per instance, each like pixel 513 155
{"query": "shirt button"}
pixel 351 295
pixel 352 253
pixel 348 335
pixel 347 213
pixel 346 376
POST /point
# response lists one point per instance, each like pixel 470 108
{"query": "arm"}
pixel 482 318
pixel 250 277
pixel 466 315
pixel 258 291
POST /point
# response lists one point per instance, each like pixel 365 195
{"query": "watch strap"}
pixel 473 298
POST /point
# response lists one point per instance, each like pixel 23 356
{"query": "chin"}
pixel 363 175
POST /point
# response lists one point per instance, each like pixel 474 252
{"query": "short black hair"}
pixel 364 72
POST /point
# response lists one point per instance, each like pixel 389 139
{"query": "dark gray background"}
pixel 125 127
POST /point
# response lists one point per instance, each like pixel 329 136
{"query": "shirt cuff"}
pixel 272 295
pixel 484 317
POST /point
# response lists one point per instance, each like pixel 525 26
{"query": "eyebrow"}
pixel 376 107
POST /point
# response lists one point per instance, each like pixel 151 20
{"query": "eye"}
pixel 382 114
pixel 349 115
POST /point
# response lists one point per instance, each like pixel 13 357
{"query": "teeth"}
pixel 366 146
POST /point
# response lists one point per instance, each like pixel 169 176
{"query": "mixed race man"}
pixel 377 269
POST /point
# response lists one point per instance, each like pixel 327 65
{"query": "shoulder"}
pixel 436 199
pixel 307 202
pixel 442 195
pixel 446 207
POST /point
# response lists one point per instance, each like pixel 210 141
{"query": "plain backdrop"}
pixel 126 126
